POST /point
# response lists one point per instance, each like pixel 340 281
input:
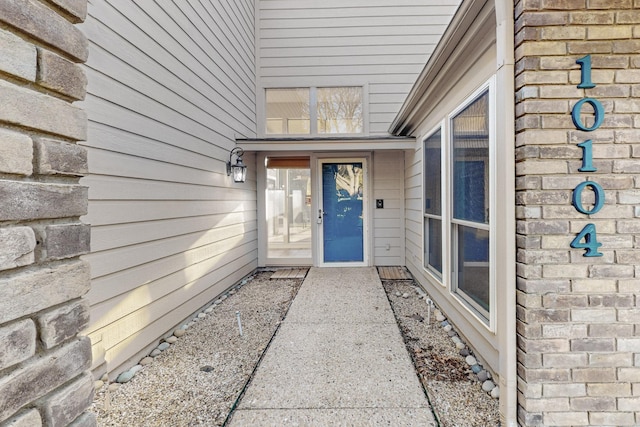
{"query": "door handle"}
pixel 320 214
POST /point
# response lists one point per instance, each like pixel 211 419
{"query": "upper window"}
pixel 315 110
pixel 340 110
pixel 288 111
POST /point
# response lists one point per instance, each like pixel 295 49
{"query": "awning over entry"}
pixel 328 144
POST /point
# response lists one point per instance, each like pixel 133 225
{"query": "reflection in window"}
pixel 342 199
pixel 470 130
pixel 340 110
pixel 470 197
pixel 288 198
pixel 333 110
pixel 288 111
pixel 433 203
pixel 473 264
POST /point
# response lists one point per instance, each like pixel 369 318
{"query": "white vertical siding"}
pixel 377 43
pixel 388 183
pixel 171 86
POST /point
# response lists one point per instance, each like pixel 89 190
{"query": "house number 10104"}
pixel 587 238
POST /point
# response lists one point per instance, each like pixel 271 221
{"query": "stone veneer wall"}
pixel 43 362
pixel 578 318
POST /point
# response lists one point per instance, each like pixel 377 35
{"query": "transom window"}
pixel 314 111
pixel 288 111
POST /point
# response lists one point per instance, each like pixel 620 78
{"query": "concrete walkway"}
pixel 337 359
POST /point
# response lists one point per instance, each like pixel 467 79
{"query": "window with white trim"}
pixel 432 175
pixel 470 228
pixel 457 195
pixel 314 110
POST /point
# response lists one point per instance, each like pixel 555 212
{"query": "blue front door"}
pixel 342 195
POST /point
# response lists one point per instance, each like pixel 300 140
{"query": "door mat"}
pixel 393 273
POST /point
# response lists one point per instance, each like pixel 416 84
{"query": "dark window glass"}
pixel 470 138
pixel 432 175
pixel 433 244
pixel 473 264
pixel 433 202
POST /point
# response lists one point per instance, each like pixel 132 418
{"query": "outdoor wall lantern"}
pixel 239 170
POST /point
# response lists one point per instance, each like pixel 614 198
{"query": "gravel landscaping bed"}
pixel 196 376
pixel 197 379
pixel 450 378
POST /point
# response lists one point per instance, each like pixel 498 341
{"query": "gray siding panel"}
pixel 360 42
pixel 171 86
pixel 388 184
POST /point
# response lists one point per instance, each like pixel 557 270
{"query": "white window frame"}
pixel 441 278
pixel 313 111
pixel 311 103
pixel 488 319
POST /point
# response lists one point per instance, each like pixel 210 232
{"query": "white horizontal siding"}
pixel 378 44
pixel 155 318
pixel 321 34
pixel 388 245
pixel 420 23
pixel 341 61
pixel 209 243
pixel 336 51
pixel 171 86
pixel 150 41
pixel 321 73
pixel 413 205
pixel 120 235
pixel 334 9
pixel 160 273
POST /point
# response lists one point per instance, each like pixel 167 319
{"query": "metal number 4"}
pixel 590 243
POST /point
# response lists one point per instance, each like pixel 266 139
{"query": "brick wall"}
pixel 43 362
pixel 578 317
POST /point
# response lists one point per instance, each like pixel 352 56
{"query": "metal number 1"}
pixel 587 156
pixel 585 73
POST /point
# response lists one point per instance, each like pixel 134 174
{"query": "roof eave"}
pixel 404 122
